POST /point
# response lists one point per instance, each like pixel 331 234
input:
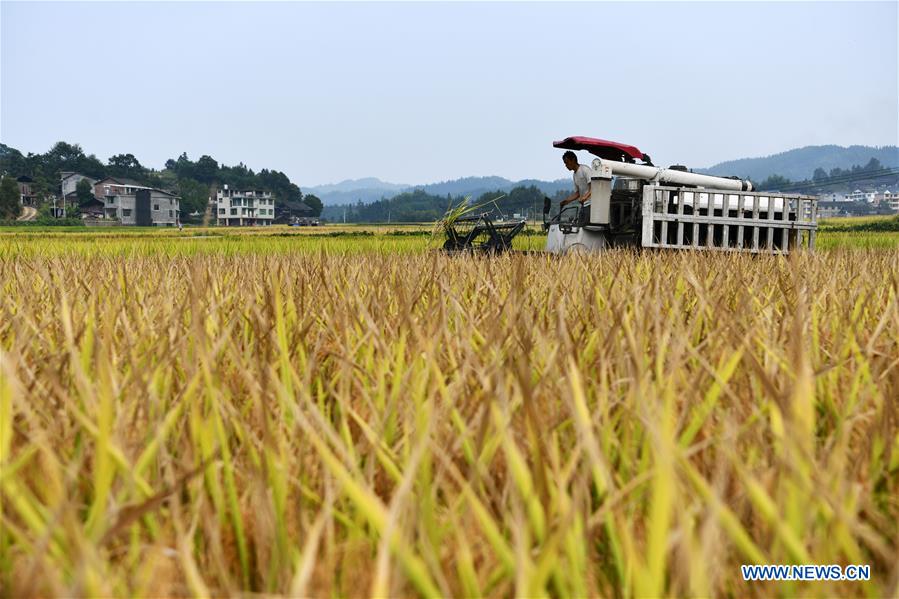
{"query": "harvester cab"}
pixel 640 205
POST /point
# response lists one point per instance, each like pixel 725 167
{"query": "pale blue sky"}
pixel 417 93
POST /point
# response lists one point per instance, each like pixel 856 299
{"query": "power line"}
pixel 848 178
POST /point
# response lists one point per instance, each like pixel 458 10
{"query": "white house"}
pixel 832 197
pixel 244 208
pixel 69 181
pixel 856 196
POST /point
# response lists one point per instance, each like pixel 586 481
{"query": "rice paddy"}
pixel 220 412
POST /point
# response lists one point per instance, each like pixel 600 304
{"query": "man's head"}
pixel 570 160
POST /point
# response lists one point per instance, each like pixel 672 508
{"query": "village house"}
pixel 135 204
pixel 244 208
pixel 295 213
pixel 891 200
pixel 856 196
pixel 835 208
pixel 69 181
pixel 27 195
pixel 93 208
pixel 831 209
pixel 832 197
pixel 858 203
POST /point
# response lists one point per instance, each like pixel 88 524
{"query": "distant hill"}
pixel 800 164
pixel 367 189
pixel 354 184
pixel 370 189
pixel 475 186
pixel 365 194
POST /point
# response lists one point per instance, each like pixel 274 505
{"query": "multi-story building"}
pixel 856 196
pixel 891 199
pixel 135 204
pixel 244 208
pixel 69 181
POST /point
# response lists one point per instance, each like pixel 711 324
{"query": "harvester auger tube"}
pixel 671 176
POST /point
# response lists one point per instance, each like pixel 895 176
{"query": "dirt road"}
pixel 28 213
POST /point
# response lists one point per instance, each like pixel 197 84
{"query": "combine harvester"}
pixel 641 205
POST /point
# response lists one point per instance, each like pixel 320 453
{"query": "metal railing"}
pixel 675 217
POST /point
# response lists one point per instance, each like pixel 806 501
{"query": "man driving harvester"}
pixel 581 177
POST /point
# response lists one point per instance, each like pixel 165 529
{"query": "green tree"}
pixel 67 153
pixel 84 191
pixel 11 161
pixel 10 201
pixel 126 165
pixel 183 167
pixel 194 198
pixel 774 182
pixel 820 174
pixel 873 165
pixel 315 203
pixel 206 170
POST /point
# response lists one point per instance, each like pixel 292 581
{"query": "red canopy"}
pixel 607 150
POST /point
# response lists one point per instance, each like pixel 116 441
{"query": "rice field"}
pixel 221 413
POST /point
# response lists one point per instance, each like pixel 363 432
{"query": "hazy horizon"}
pixel 418 93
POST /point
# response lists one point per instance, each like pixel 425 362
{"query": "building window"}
pixel 221 210
pixel 126 211
pixel 171 215
pixel 155 206
pixel 234 212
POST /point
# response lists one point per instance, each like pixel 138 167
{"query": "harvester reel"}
pixel 480 234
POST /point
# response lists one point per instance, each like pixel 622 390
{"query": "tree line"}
pixel 192 180
pixel 420 206
pixel 10 208
pixel 836 177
